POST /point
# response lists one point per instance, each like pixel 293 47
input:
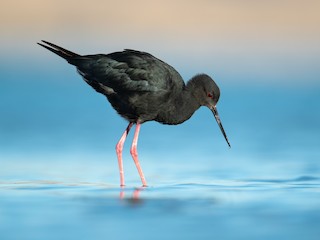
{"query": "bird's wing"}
pixel 127 71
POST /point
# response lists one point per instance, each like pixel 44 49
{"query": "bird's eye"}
pixel 210 95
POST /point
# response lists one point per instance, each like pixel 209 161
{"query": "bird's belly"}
pixel 137 107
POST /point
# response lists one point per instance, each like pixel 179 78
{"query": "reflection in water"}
pixel 135 194
pixel 173 211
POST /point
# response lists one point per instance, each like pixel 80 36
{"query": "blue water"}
pixel 59 179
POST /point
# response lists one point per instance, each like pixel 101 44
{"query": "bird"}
pixel 142 88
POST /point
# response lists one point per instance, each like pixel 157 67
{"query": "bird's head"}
pixel 207 92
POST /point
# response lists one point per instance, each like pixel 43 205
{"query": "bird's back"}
pixel 127 71
pixel 137 84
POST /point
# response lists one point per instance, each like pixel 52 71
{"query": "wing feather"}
pixel 127 71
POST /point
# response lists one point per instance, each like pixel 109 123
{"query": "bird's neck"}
pixel 182 109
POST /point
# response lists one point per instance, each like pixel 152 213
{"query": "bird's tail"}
pixel 64 53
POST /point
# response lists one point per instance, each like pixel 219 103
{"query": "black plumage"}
pixel 141 87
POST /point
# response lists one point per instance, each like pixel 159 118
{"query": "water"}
pixel 225 209
pixel 59 179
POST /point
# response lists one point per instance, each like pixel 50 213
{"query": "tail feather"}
pixel 64 53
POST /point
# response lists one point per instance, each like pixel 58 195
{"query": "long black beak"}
pixel 216 115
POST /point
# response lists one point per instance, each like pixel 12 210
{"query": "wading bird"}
pixel 141 88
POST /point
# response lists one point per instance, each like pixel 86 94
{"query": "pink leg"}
pixel 134 154
pixel 119 148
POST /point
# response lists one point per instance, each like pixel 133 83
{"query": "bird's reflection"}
pixel 134 196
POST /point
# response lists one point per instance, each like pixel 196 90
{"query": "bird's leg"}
pixel 119 148
pixel 134 154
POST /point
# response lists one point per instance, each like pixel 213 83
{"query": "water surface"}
pixel 242 209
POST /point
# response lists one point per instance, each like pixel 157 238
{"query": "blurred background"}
pixel 264 55
pixel 55 130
